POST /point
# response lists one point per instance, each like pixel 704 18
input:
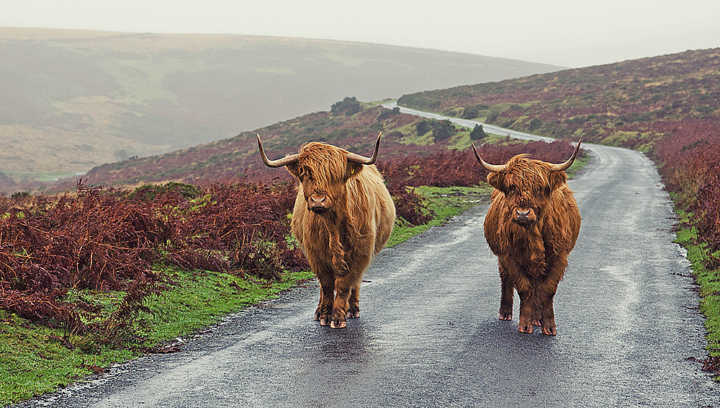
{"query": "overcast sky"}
pixel 562 32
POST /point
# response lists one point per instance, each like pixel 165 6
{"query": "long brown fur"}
pixel 532 258
pixel 341 243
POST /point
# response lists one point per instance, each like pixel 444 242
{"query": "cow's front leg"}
pixel 354 307
pixel 343 287
pixel 538 312
pixel 548 316
pixel 527 305
pixel 324 309
pixel 506 296
pixel 546 294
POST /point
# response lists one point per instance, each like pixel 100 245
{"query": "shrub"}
pixel 478 133
pixel 423 127
pixel 492 116
pixel 387 113
pixel 348 106
pixel 470 112
pixel 442 130
pixel 534 124
pixel 150 191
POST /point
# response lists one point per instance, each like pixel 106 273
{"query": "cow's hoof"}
pixel 353 313
pixel 322 313
pixel 526 328
pixel 505 316
pixel 338 324
pixel 550 331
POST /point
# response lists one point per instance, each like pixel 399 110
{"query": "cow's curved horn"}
pixel 568 162
pixel 491 167
pixel 354 157
pixel 275 163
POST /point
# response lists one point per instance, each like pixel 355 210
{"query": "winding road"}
pixel 629 330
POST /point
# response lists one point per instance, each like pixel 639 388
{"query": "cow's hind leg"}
pixel 324 309
pixel 354 307
pixel 506 297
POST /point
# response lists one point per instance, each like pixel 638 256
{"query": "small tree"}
pixel 348 106
pixel 535 124
pixel 470 112
pixel 478 133
pixel 422 127
pixel 386 113
pixel 492 116
pixel 442 130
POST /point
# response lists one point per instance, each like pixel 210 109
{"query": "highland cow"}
pixel 531 226
pixel 343 216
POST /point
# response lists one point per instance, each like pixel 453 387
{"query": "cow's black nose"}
pixel 315 200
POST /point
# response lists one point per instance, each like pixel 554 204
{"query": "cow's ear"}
pixel 557 179
pixel 496 180
pixel 353 169
pixel 294 170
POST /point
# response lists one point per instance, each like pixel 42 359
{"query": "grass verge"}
pixel 35 359
pixel 709 281
pixel 445 202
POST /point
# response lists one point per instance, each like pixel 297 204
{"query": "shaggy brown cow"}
pixel 532 225
pixel 343 216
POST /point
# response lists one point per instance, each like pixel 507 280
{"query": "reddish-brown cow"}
pixel 532 225
pixel 343 216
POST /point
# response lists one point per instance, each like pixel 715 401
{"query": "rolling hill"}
pixel 74 99
pixel 350 124
pixel 632 103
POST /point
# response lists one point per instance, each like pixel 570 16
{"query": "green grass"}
pixel 709 279
pixel 410 135
pixel 445 202
pixel 578 164
pixel 203 298
pixel 33 359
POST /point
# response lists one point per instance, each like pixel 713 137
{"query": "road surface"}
pixel 629 331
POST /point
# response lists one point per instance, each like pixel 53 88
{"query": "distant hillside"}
pixel 631 103
pixel 349 124
pixel 6 183
pixel 73 99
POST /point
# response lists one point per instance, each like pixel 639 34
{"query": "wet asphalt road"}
pixel 629 330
